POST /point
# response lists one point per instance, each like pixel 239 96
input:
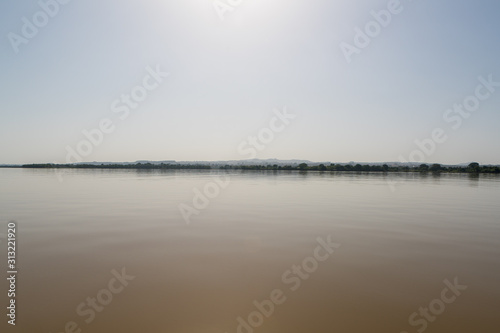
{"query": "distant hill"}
pixel 271 161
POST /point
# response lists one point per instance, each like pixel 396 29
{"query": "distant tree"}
pixel 473 167
pixel 358 167
pixel 322 167
pixel 385 167
pixel 303 166
pixel 367 168
pixel 435 168
pixel 423 167
pixel 339 167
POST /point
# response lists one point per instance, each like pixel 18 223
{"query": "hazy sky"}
pixel 68 69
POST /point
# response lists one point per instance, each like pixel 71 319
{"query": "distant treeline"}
pixel 118 166
pixel 471 168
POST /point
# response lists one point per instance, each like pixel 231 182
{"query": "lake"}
pixel 189 251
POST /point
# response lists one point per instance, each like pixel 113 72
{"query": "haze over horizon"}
pixel 270 80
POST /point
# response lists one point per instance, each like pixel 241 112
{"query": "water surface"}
pixel 401 236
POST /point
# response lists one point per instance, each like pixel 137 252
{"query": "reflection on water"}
pixel 252 255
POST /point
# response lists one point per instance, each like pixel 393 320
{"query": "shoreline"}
pixel 423 168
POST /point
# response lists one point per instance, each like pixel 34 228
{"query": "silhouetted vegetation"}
pixel 120 166
pixel 423 168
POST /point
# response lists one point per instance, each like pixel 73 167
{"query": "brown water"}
pixel 397 247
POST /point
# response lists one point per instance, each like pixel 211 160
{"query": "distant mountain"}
pixel 128 163
pixel 255 161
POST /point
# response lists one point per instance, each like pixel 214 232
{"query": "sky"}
pixel 322 80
